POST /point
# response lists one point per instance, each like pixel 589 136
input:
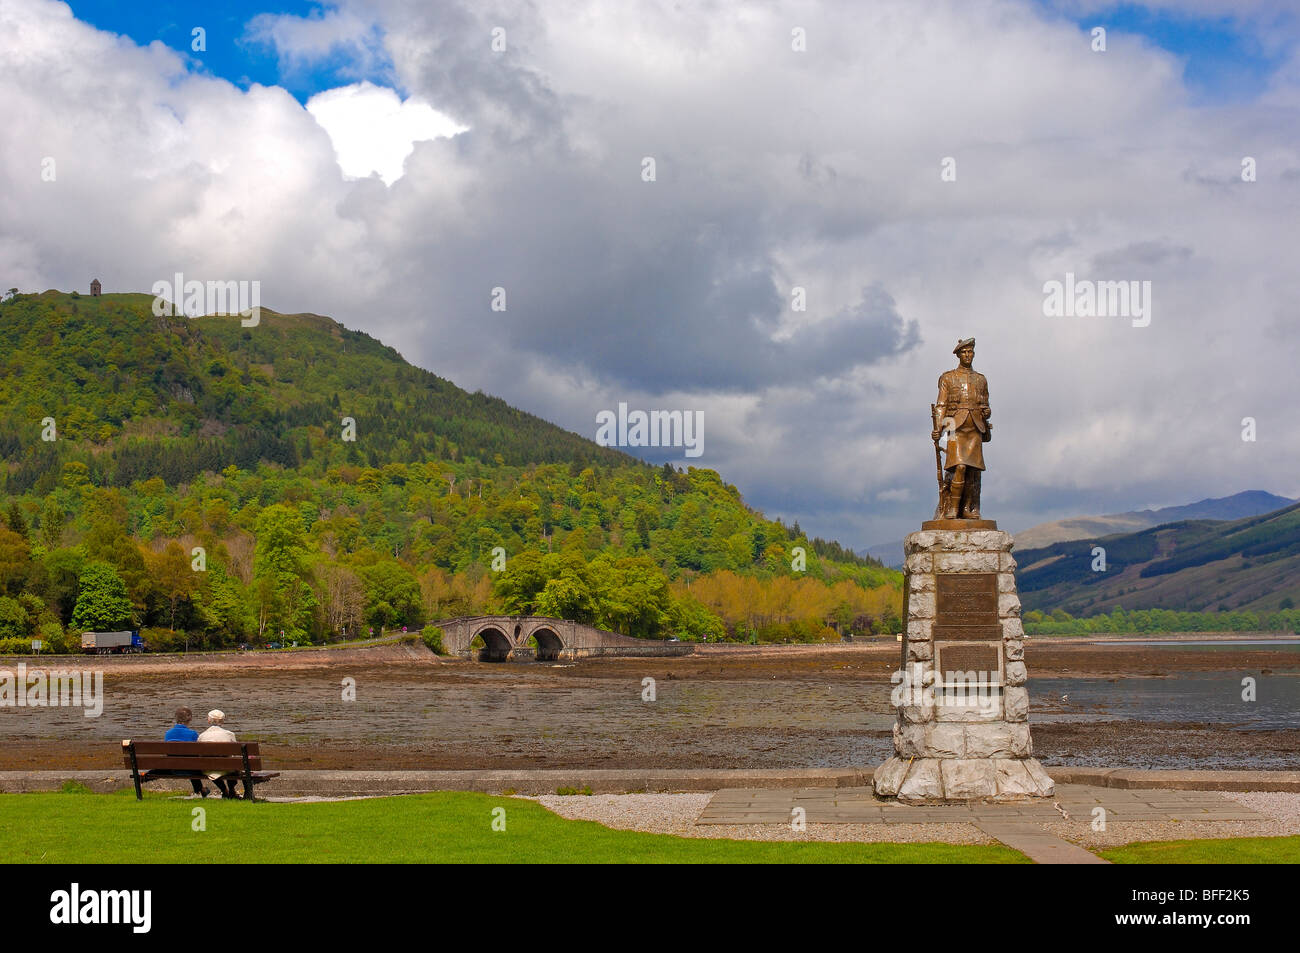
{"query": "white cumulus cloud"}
pixel 373 129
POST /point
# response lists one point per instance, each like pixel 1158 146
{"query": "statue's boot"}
pixel 973 496
pixel 955 489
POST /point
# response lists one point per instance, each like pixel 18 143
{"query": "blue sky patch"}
pixel 1223 58
pixel 232 53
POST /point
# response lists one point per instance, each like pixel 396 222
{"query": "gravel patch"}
pixel 676 814
pixel 1282 806
pixel 1119 833
pixel 1280 810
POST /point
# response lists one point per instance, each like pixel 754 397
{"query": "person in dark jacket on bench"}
pixel 181 731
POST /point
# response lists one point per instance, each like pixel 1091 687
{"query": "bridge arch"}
pixel 549 643
pixel 497 645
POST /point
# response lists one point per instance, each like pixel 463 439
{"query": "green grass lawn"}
pixel 1242 850
pixel 447 827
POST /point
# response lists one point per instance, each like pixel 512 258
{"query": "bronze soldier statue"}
pixel 963 411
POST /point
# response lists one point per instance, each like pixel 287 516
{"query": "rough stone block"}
pixel 1015 651
pixel 1013 628
pixel 965 562
pixel 959 541
pixel 1008 605
pixel 888 778
pixel 1006 562
pixel 920 582
pixel 919 651
pixel 918 630
pixel 925 541
pixel 1013 781
pixel 1022 745
pixel 1017 704
pixel 922 782
pixel 916 714
pixel 920 605
pixel 994 740
pixel 919 563
pixel 1006 582
pixel 966 714
pixel 945 741
pixel 909 740
pixel 1046 786
pixel 1016 674
pixel 968 778
pixel 993 539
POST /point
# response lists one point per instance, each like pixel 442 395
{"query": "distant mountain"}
pixel 1191 565
pixel 1238 506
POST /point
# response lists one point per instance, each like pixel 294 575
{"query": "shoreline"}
pixel 394 652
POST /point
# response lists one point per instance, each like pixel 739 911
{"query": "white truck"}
pixel 110 643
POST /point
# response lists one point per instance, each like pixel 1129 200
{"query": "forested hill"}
pixel 135 396
pixel 131 442
pixel 1244 565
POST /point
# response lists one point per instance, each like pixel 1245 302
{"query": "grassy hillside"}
pixel 1250 564
pixel 133 443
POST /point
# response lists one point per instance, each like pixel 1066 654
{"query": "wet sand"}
pixel 726 706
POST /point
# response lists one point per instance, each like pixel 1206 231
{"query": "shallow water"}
pixel 531 716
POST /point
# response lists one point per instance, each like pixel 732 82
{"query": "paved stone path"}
pixel 1016 824
pixel 1037 844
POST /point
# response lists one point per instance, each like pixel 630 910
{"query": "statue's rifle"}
pixel 938 466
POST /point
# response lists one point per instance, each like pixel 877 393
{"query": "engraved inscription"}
pixel 966 598
pixel 971 657
pixel 968 633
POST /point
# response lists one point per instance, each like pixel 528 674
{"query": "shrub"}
pixel 165 640
pixel 58 640
pixel 432 636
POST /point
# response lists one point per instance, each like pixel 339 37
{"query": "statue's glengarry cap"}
pixel 964 342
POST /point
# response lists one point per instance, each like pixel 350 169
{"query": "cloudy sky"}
pixel 919 169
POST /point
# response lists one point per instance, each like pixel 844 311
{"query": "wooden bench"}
pixel 153 760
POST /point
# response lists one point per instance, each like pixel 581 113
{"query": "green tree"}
pixel 13 619
pixel 174 578
pixel 15 561
pixel 102 603
pixel 281 568
pixel 392 595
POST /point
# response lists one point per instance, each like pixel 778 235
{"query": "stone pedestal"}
pixel 962 731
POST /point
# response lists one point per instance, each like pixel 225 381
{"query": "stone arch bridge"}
pixel 506 637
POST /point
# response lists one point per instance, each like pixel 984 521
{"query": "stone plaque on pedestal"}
pixel 962 730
